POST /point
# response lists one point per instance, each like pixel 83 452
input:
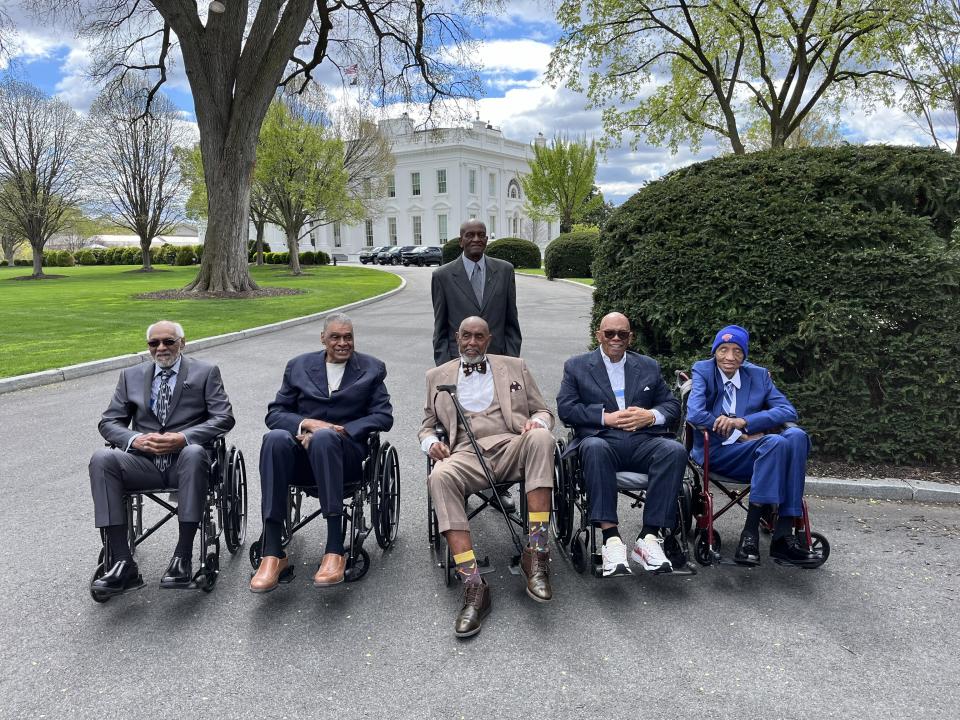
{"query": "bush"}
pixel 86 257
pixel 166 253
pixel 517 252
pixel 308 257
pixel 4 263
pixel 65 259
pixel 450 251
pixel 198 252
pixel 571 254
pixel 321 258
pixel 22 262
pixel 185 256
pixel 839 263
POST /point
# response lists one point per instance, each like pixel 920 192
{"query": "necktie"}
pixel 480 366
pixel 160 410
pixel 728 398
pixel 476 279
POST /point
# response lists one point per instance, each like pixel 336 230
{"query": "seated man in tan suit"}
pixel 512 425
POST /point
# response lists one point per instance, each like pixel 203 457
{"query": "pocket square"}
pixel 515 387
pixel 646 388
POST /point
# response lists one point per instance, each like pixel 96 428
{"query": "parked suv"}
pixel 369 255
pixel 392 255
pixel 423 255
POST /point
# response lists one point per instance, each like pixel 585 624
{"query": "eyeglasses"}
pixel 611 334
pixel 166 342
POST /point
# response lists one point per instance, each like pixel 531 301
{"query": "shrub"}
pixel 22 262
pixel 166 253
pixel 308 257
pixel 450 250
pixel 321 258
pixel 86 257
pixel 839 263
pixel 517 252
pixel 198 252
pixel 571 254
pixel 4 263
pixel 185 256
pixel 65 259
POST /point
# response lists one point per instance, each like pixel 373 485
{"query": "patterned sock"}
pixel 539 533
pixel 467 568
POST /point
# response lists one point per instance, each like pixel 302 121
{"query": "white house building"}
pixel 442 177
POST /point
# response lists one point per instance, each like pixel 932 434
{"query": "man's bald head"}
pixel 614 335
pixel 473 338
pixel 474 323
pixel 473 239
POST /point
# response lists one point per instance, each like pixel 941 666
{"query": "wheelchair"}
pixel 379 487
pixel 576 536
pixel 706 541
pixel 225 515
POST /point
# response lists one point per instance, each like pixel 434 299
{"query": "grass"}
pixel 91 314
pixel 540 272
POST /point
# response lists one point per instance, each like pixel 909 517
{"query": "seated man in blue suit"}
pixel 621 411
pixel 329 403
pixel 745 413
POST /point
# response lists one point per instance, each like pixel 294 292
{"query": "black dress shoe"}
pixel 179 574
pixel 476 606
pixel 788 550
pixel 748 550
pixel 502 498
pixel 122 577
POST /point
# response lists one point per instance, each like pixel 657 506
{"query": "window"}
pixel 492 190
pixel 417 230
pixel 516 226
pixel 473 216
pixel 514 192
pixel 369 229
pixel 442 228
pixel 473 182
pixel 415 183
pixel 492 225
pixel 391 186
pixel 392 230
pixel 441 182
pixel 337 239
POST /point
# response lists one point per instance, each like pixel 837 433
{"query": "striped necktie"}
pixel 728 397
pixel 160 410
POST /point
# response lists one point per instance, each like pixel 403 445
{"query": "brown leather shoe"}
pixel 476 606
pixel 331 570
pixel 536 566
pixel 272 571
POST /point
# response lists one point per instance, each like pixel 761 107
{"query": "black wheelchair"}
pixel 379 487
pixel 225 514
pixel 576 536
pixel 706 539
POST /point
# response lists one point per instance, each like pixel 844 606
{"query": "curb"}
pixel 884 489
pixel 563 280
pixel 71 372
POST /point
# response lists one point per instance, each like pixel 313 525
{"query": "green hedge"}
pixel 450 251
pixel 58 258
pixel 517 252
pixel 185 256
pixel 571 254
pixel 838 261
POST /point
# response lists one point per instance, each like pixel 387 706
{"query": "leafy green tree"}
pixel 600 213
pixel 561 181
pixel 722 59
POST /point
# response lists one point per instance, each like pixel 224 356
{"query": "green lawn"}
pixel 91 313
pixel 530 271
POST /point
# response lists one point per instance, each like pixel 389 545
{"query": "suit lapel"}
pixel 501 389
pixel 178 388
pixel 351 373
pixel 488 283
pixel 148 372
pixel 317 371
pixel 462 282
pixel 629 380
pixel 743 393
pixel 599 372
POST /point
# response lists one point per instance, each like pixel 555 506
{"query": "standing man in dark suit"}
pixel 622 411
pixel 159 421
pixel 327 405
pixel 475 285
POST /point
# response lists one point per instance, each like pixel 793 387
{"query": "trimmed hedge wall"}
pixel 517 252
pixel 840 263
pixel 571 254
pixel 450 251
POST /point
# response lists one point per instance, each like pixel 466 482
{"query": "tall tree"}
pixel 236 58
pixel 561 181
pixel 599 214
pixel 134 167
pixel 40 141
pixel 720 60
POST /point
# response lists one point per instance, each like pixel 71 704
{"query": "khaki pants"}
pixel 528 457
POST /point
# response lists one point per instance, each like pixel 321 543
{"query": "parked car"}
pixel 423 255
pixel 369 255
pixel 392 255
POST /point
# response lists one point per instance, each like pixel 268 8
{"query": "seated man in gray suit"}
pixel 161 416
pixel 621 411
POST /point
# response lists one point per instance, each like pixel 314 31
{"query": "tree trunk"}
pixel 293 247
pixel 145 254
pixel 260 228
pixel 37 259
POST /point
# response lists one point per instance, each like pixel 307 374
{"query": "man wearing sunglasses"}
pixel 162 415
pixel 622 413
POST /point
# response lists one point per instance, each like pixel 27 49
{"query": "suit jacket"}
pixel 454 300
pixel 585 393
pixel 515 389
pixel 361 404
pixel 759 402
pixel 199 407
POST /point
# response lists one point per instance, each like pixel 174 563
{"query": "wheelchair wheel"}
pixel 449 567
pixel 579 552
pixel 99 573
pixel 819 545
pixel 433 527
pixel 212 569
pixel 386 498
pixel 562 516
pixel 256 553
pixel 294 502
pixel 357 567
pixel 233 499
pixel 701 548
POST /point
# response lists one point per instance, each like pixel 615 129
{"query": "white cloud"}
pixel 515 55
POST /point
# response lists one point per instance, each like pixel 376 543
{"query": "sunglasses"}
pixel 166 342
pixel 611 334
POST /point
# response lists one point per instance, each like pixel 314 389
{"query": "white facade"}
pixel 442 178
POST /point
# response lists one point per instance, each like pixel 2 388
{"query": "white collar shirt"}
pixel 475 390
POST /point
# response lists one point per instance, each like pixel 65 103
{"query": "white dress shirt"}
pixel 615 373
pixel 733 404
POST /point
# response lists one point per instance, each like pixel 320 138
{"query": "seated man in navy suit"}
pixel 621 412
pixel 745 413
pixel 329 403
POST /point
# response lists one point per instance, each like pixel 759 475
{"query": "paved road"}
pixel 872 634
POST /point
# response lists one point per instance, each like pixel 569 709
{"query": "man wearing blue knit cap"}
pixel 745 413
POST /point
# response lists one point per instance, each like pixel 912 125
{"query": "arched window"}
pixel 513 191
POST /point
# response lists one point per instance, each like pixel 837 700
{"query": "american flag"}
pixel 351 72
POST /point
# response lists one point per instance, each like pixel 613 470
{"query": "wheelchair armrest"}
pixel 441 432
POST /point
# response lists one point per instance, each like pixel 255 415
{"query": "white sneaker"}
pixel 614 555
pixel 648 554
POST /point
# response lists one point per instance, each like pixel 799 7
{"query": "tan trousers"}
pixel 528 456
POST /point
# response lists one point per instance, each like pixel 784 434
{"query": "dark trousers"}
pixel 330 462
pixel 662 459
pixel 112 472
